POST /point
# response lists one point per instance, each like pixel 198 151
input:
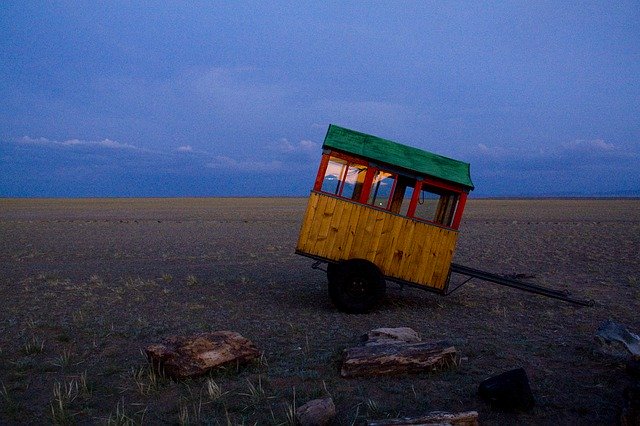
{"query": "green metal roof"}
pixel 395 154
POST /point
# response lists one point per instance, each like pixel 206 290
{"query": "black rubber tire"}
pixel 333 269
pixel 356 286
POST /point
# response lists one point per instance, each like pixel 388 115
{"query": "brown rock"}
pixel 469 418
pixel 391 335
pixel 397 358
pixel 318 412
pixel 180 357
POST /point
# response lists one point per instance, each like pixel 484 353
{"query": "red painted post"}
pixel 366 186
pixel 458 217
pixel 411 211
pixel 317 186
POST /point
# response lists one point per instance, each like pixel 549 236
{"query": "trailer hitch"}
pixel 513 283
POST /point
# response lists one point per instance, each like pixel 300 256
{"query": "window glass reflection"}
pixel 381 189
pixel 333 175
pixel 353 181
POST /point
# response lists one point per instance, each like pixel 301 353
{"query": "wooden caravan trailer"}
pixel 381 210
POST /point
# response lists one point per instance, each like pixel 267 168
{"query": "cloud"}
pixel 283 145
pixel 490 151
pixel 105 143
pixel 69 156
pixel 568 151
pixel 290 156
pixel 594 145
pixel 231 164
pixel 307 145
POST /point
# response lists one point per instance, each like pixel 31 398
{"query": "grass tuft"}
pixel 372 407
pixel 290 411
pixel 121 418
pixel 147 380
pixel 183 416
pixel 64 359
pixel 256 393
pixel 63 395
pixel 77 316
pixel 9 404
pixel 193 416
pixel 213 390
pixel 33 346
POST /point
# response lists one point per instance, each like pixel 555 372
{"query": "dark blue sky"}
pixel 194 98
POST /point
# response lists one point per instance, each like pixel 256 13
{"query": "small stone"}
pixel 318 412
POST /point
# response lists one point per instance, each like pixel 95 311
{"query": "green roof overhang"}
pixel 395 154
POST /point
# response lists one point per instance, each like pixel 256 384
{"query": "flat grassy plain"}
pixel 85 284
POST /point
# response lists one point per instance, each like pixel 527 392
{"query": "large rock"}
pixel 633 367
pixel 508 391
pixel 318 412
pixel 190 356
pixel 436 418
pixel 396 351
pixel 616 339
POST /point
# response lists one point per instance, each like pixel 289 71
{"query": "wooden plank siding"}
pixel 337 229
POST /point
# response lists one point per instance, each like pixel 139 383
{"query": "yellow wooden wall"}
pixel 402 248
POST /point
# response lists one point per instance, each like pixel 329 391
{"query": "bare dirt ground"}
pixel 85 284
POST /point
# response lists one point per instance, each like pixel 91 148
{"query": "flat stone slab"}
pixel 436 418
pixel 396 351
pixel 611 333
pixel 191 356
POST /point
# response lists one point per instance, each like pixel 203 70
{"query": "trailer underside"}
pixel 472 273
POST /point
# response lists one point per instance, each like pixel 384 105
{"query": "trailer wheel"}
pixel 333 271
pixel 355 286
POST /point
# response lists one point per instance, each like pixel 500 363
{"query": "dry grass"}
pixel 87 283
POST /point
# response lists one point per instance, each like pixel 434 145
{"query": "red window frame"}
pixel 459 208
pixel 350 160
pixel 368 182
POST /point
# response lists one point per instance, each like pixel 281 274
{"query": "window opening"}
pixel 446 209
pixel 333 175
pixel 381 189
pixel 344 178
pixel 353 181
pixel 402 195
pixel 406 201
pixel 436 205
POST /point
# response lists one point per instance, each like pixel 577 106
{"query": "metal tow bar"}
pixel 520 285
